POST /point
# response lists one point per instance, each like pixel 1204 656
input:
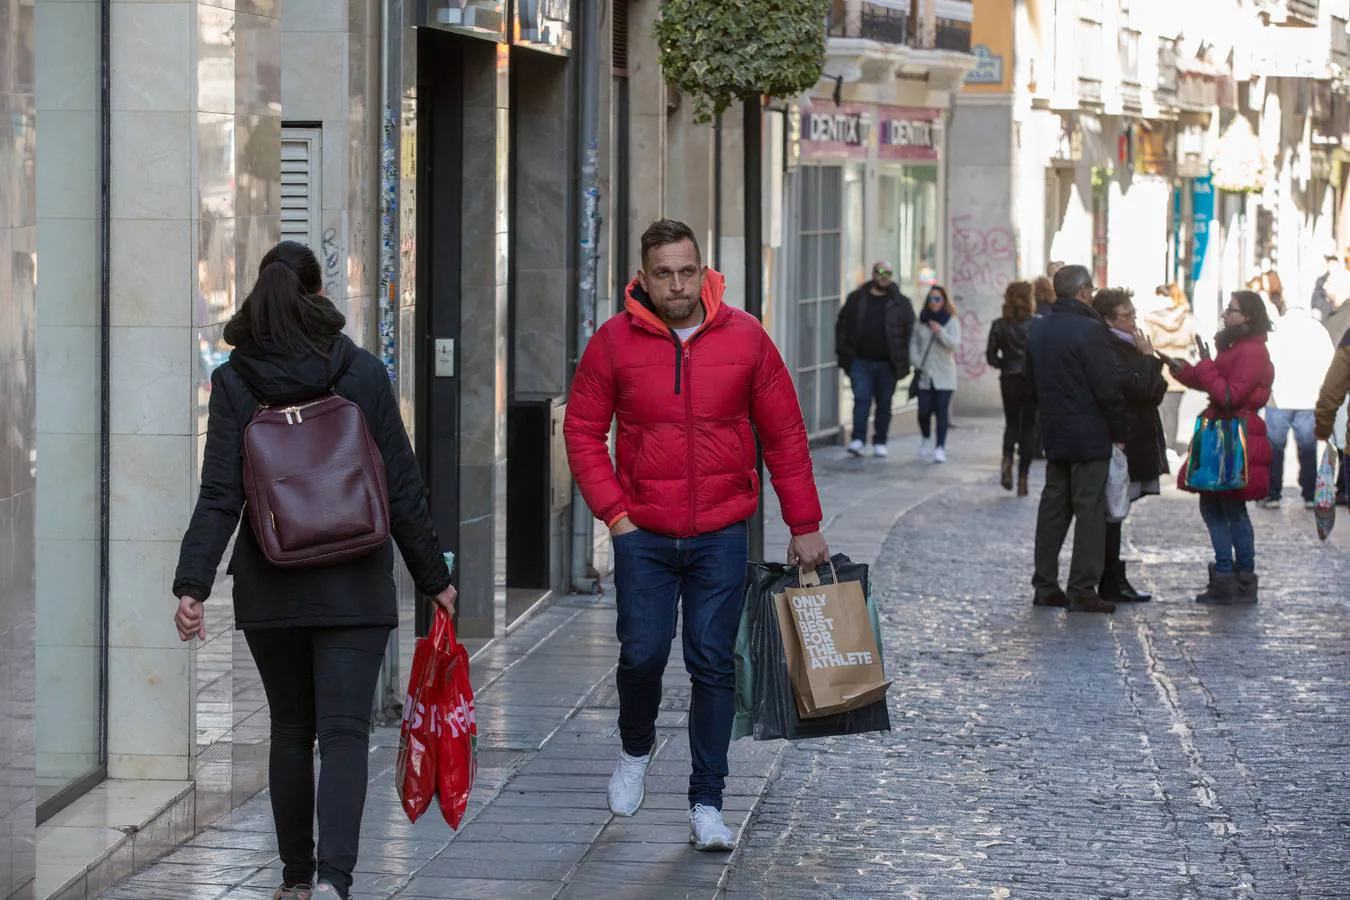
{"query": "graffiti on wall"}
pixel 982 257
pixel 970 358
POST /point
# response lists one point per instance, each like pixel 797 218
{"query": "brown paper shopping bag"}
pixel 831 649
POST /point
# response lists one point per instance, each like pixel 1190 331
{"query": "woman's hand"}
pixel 933 326
pixel 190 620
pixel 446 599
pixel 1142 342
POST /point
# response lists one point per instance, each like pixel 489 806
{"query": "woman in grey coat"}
pixel 932 349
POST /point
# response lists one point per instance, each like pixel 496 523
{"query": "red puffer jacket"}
pixel 685 448
pixel 1238 382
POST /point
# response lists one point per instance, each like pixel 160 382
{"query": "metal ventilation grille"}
pixel 619 38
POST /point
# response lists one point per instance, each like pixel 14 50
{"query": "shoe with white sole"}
pixel 628 784
pixel 925 449
pixel 881 451
pixel 707 831
pixel 855 448
pixel 940 455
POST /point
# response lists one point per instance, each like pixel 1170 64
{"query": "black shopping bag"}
pixel 773 707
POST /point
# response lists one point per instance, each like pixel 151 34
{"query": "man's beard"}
pixel 681 308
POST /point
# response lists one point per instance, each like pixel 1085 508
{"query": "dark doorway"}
pixel 440 150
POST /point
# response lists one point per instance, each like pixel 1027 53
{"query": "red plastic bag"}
pixel 415 773
pixel 456 732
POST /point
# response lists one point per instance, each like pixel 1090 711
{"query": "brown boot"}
pixel 1222 590
pixel 1248 585
pixel 1090 603
pixel 1022 488
pixel 1005 478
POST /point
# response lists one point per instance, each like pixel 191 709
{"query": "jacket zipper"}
pixel 679 357
pixel 689 431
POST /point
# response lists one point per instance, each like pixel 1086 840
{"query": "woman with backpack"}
pixel 317 626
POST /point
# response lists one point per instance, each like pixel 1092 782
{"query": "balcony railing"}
pixel 953 35
pixel 882 22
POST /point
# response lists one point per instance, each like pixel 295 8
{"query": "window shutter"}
pixel 619 38
pixel 300 195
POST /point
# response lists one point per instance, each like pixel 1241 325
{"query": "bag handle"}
pixel 811 578
pixel 442 630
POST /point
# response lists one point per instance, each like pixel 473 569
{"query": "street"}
pixel 1168 751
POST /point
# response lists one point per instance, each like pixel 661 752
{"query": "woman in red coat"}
pixel 1238 382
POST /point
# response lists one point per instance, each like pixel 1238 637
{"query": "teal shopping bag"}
pixel 1217 461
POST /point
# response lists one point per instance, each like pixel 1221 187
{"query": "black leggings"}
pixel 1019 414
pixel 319 682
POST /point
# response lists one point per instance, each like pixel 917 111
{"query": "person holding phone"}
pixel 1238 381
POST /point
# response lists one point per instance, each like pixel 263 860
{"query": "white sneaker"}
pixel 855 448
pixel 628 784
pixel 881 451
pixel 707 831
pixel 940 455
pixel 925 448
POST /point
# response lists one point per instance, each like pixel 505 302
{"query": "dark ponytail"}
pixel 285 310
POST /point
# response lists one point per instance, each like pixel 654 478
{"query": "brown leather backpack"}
pixel 315 483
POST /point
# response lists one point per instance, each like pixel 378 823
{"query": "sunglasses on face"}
pixel 882 273
pixel 934 298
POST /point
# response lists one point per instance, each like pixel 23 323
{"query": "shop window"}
pixel 820 284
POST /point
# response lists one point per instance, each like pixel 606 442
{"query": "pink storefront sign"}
pixel 837 131
pixel 911 133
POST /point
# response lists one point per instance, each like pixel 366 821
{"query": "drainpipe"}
pixel 105 358
pixel 588 228
pixel 753 137
pixel 717 193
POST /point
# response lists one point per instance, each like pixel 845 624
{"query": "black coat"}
pixel 1007 350
pixel 1143 386
pixel 1073 376
pixel 899 324
pixel 359 592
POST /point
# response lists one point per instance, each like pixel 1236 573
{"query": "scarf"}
pixel 1227 337
pixel 942 316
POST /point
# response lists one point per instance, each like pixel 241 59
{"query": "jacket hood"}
pixel 1171 319
pixel 276 376
pixel 639 304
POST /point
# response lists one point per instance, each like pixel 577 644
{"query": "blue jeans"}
pixel 873 382
pixel 931 402
pixel 1302 421
pixel 652 573
pixel 1230 531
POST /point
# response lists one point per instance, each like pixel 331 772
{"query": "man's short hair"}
pixel 663 233
pixel 1070 280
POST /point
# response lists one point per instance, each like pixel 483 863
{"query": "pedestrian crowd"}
pixel 304 436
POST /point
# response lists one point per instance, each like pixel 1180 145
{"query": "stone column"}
pixel 483 314
pixel 324 39
pixel 195 203
pixel 647 128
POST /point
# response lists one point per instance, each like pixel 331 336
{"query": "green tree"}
pixel 719 51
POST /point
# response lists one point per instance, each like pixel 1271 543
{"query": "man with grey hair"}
pixel 1082 414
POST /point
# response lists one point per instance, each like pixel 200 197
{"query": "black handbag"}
pixel 913 390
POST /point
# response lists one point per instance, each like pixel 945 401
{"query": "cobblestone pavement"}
pixel 1169 751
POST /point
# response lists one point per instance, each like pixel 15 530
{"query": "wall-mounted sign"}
pixel 1202 214
pixel 988 67
pixel 543 24
pixel 829 130
pixel 479 18
pixel 907 133
pixel 991 36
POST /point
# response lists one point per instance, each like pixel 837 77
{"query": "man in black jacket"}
pixel 1073 375
pixel 871 342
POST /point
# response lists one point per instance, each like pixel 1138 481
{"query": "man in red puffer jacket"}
pixel 691 382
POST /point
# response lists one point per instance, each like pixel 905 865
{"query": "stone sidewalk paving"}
pixel 538 826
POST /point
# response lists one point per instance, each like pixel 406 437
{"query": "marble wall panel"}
pixel 18 555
